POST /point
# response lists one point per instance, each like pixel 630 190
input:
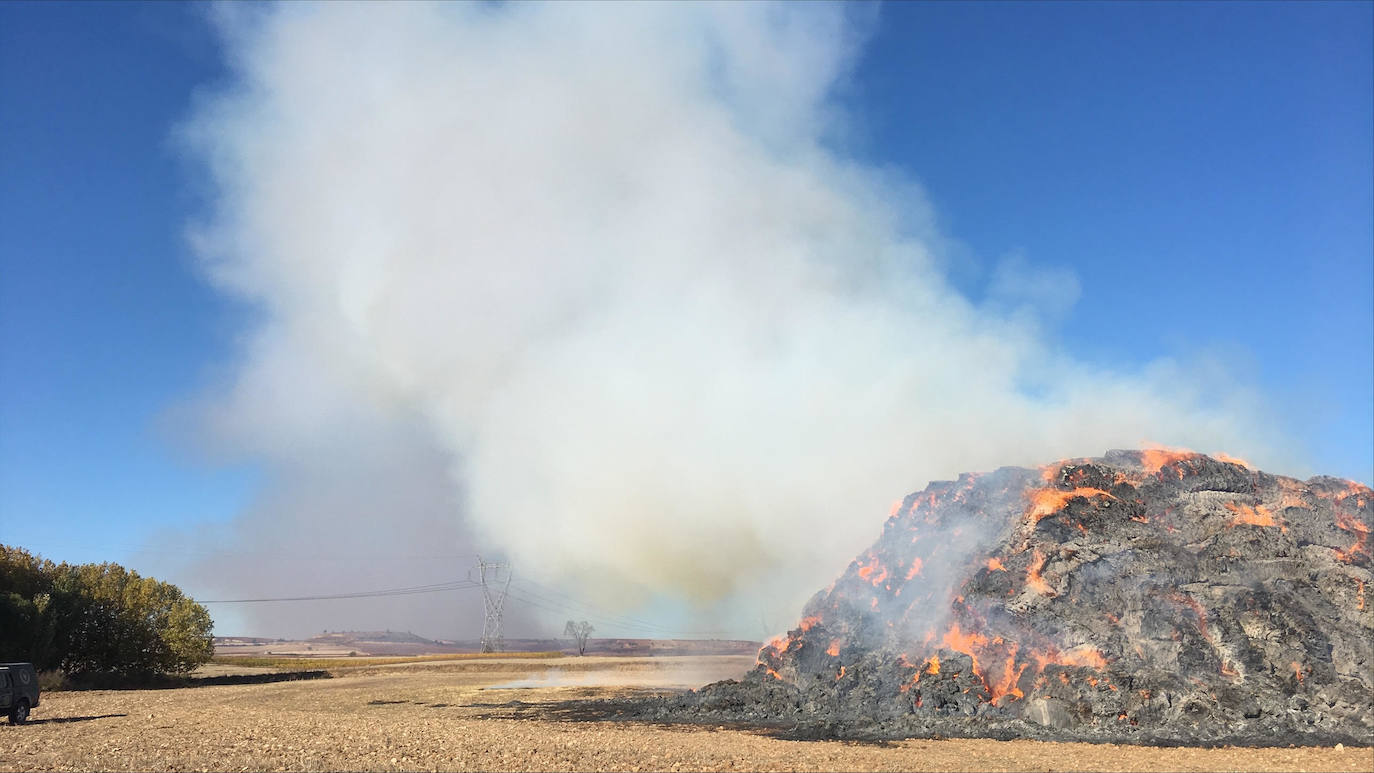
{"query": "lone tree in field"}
pixel 579 633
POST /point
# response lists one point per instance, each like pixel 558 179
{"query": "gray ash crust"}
pixel 1167 599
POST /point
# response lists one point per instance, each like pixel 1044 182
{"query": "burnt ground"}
pixel 478 716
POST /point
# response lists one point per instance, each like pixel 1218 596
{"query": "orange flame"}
pixel 1033 580
pixel 834 649
pixel 809 622
pixel 966 643
pixel 1155 457
pixel 1346 523
pixel 1047 501
pixel 995 565
pixel 1220 457
pixel 874 571
pixel 1297 671
pixel 867 570
pixel 1084 655
pixel 840 675
pixel 915 568
pixel 1258 515
pixel 977 646
pixel 1291 494
pixel 1006 682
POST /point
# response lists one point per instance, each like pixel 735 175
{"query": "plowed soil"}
pixel 490 715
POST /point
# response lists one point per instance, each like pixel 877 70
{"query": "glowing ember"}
pixel 1033 579
pixel 1197 608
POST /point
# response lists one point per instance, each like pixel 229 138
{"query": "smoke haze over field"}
pixel 595 291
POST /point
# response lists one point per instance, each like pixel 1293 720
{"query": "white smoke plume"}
pixel 671 344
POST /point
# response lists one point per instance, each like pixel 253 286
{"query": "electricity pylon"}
pixel 494 600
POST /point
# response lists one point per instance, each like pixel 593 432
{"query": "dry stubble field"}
pixel 457 715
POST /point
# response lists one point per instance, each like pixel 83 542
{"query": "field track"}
pixel 463 715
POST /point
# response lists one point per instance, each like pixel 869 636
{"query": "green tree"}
pixel 97 618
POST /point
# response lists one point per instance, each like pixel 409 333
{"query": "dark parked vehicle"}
pixel 18 691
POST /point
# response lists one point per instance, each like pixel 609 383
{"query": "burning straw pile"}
pixel 1156 596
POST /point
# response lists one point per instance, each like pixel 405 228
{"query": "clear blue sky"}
pixel 1204 169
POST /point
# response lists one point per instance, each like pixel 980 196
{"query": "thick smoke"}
pixel 670 345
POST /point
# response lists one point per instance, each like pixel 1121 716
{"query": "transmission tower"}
pixel 494 599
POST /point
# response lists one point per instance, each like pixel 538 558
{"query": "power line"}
pixel 497 585
pixel 599 616
pixel 135 548
pixel 493 602
pixel 565 602
pixel 433 588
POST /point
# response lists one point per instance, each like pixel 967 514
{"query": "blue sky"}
pixel 1204 170
pixel 103 321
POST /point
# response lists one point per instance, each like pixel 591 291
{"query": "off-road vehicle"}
pixel 18 691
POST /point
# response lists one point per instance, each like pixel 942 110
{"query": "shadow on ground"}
pixel 65 720
pixel 639 710
pixel 118 682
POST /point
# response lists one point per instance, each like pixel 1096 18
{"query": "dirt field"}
pixel 448 715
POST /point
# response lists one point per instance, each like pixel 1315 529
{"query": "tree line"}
pixel 97 618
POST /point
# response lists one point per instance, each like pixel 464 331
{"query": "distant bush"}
pixel 49 681
pixel 97 618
